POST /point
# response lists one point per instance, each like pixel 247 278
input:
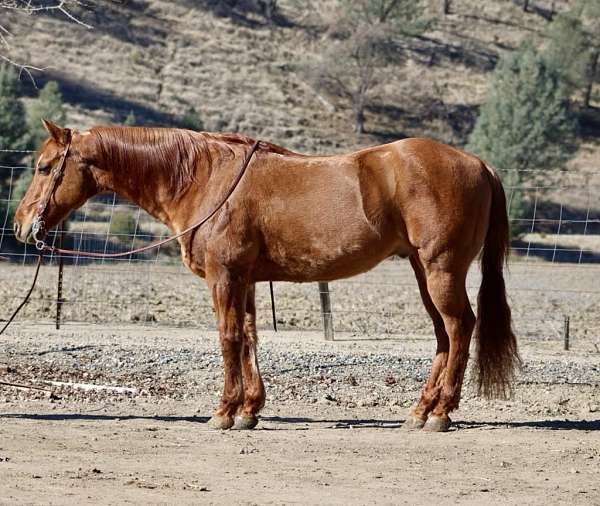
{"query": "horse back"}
pixel 323 218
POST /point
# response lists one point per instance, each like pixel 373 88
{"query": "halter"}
pixel 38 221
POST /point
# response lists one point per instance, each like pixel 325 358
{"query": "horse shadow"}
pixel 582 425
pixel 299 423
pixel 89 417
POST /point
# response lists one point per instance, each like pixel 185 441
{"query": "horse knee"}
pixel 231 340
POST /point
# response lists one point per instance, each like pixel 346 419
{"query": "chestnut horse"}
pixel 307 218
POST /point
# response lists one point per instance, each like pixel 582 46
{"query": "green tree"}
pixel 48 105
pixel 590 18
pixel 574 46
pixel 567 43
pixel 123 225
pixel 19 188
pixel 192 120
pixel 364 39
pixel 13 129
pixel 130 120
pixel 526 124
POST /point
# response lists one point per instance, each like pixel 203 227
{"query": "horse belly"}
pixel 330 220
pixel 331 250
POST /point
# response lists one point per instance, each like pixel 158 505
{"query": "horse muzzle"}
pixel 24 233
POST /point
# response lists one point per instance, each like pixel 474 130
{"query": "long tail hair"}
pixel 497 354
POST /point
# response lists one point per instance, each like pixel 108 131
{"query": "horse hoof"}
pixel 437 423
pixel 220 422
pixel 413 423
pixel 245 422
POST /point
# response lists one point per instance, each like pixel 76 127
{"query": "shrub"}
pixel 130 120
pixel 192 120
pixel 123 224
pixel 48 105
pixel 526 128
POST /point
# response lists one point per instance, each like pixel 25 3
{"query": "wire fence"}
pixel 554 273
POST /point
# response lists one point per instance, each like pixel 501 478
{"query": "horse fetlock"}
pixel 253 403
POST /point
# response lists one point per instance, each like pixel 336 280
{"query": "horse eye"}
pixel 44 169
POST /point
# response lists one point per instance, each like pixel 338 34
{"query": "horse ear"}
pixel 59 134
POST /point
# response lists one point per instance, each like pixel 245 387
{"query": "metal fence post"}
pixel 59 297
pixel 326 310
pixel 566 333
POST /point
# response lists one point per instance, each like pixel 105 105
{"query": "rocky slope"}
pixel 158 58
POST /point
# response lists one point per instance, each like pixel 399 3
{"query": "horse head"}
pixel 63 180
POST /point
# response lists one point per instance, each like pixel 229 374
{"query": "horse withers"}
pixel 305 218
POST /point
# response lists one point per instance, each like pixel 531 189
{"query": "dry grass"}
pixel 159 58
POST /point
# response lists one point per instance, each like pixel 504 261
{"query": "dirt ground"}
pixel 330 433
pixel 78 457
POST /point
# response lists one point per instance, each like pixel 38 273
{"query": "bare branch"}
pixel 71 17
pixel 29 7
pixel 3 33
pixel 24 69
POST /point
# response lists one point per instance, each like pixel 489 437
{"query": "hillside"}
pixel 158 58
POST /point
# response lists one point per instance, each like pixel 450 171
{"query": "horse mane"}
pixel 141 152
pixel 232 138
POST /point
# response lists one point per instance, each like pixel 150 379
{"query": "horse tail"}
pixel 497 354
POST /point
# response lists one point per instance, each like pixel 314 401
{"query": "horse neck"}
pixel 149 180
pixel 144 195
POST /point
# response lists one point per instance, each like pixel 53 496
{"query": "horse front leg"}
pixel 229 298
pixel 254 389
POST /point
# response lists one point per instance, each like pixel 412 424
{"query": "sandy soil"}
pixel 74 457
pixel 330 433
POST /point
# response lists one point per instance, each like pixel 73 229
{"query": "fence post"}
pixel 59 297
pixel 326 310
pixel 566 333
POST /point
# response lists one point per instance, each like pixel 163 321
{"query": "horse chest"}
pixel 193 259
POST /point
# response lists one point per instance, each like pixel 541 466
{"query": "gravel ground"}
pixel 330 432
pixel 298 367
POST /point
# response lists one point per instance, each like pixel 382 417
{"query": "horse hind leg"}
pixel 446 286
pixel 431 390
pixel 254 389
